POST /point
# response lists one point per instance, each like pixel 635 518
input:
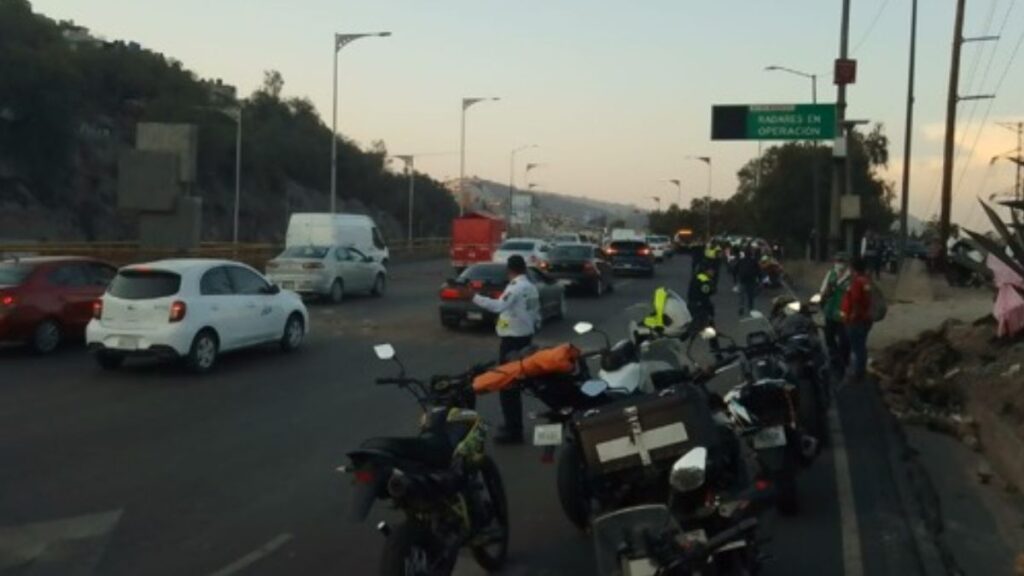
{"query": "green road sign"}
pixel 774 122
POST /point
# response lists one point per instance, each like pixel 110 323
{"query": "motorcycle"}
pixel 800 344
pixel 449 489
pixel 654 540
pixel 764 410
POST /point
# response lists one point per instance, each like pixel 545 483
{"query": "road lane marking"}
pixel 36 542
pixel 853 563
pixel 254 556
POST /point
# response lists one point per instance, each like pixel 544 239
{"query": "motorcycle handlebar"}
pixel 394 381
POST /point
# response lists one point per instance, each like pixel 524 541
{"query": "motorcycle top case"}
pixel 645 431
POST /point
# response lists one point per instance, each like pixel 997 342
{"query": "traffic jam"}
pixel 667 473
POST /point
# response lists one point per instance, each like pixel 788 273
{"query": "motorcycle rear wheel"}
pixel 409 551
pixel 491 556
pixel 572 492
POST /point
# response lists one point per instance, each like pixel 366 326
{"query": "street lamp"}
pixel 816 193
pixel 410 172
pixel 812 77
pixel 657 202
pixel 707 202
pixel 340 41
pixel 679 189
pixel 512 176
pixel 466 103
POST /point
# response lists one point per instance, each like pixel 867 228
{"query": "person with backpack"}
pixel 833 289
pixel 858 316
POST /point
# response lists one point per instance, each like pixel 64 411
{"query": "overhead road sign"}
pixel 774 122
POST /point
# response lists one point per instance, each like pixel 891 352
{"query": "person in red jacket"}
pixel 856 310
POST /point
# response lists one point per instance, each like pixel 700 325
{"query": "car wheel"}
pixel 337 293
pixel 109 360
pixel 379 285
pixel 294 332
pixel 203 354
pixel 46 337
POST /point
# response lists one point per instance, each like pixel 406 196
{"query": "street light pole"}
pixel 410 171
pixel 908 133
pixel 466 103
pixel 512 176
pixel 679 191
pixel 707 200
pixel 657 202
pixel 815 176
pixel 340 41
pixel 238 175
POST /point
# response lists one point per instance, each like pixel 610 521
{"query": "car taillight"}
pixel 7 301
pixel 645 251
pixel 363 476
pixel 451 294
pixel 610 251
pixel 97 309
pixel 313 266
pixel 178 310
pixel 544 265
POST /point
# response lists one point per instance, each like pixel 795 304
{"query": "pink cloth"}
pixel 1009 305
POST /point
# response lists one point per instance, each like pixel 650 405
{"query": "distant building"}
pixel 76 35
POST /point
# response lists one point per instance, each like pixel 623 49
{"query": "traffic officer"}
pixel 699 298
pixel 518 310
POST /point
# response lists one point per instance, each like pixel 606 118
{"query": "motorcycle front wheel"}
pixel 409 551
pixel 491 553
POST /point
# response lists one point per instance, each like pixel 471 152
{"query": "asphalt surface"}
pixel 151 470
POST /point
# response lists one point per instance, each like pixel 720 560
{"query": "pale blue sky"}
pixel 616 94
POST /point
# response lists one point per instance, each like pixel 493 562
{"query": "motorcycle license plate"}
pixel 547 435
pixel 639 567
pixel 772 437
pixel 474 315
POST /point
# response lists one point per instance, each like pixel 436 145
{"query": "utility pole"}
pixel 908 134
pixel 1018 127
pixel 839 164
pixel 953 99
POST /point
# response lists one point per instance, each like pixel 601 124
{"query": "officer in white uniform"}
pixel 518 310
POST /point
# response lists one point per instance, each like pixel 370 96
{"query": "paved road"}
pixel 153 471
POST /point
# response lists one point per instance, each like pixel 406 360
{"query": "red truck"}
pixel 475 237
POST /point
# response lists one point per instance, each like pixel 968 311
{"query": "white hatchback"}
pixel 192 310
pixel 534 251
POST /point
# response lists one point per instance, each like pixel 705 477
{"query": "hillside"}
pixel 69 104
pixel 572 211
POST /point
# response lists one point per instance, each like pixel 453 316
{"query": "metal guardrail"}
pixel 255 255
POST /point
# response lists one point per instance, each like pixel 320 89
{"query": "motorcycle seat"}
pixel 430 449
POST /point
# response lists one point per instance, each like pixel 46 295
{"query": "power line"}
pixel 871 27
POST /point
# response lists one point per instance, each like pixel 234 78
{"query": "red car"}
pixel 47 300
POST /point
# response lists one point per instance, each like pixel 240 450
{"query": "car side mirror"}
pixel 272 290
pixel 368 259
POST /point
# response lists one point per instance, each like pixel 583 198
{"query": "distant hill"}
pixel 571 212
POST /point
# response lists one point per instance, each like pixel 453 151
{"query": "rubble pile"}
pixel 940 378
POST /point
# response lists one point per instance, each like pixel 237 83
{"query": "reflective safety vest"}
pixel 705 282
pixel 656 319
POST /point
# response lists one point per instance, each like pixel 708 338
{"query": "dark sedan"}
pixel 580 265
pixel 490 280
pixel 631 257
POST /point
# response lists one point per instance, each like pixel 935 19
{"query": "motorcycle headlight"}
pixel 688 473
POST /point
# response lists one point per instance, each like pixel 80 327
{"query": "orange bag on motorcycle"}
pixel 558 360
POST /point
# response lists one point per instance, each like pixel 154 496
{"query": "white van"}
pixel 326 230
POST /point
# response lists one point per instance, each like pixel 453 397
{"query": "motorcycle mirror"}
pixel 688 473
pixel 793 307
pixel 593 388
pixel 816 299
pixel 709 333
pixel 582 328
pixel 384 351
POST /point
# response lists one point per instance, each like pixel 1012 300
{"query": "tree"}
pixel 273 84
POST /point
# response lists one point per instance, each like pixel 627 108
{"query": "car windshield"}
pixel 317 252
pixel 144 284
pixel 14 274
pixel 492 273
pixel 571 252
pixel 517 246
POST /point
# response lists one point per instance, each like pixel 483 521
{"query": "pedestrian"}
pixel 518 310
pixel 833 289
pixel 748 274
pixel 857 315
pixel 699 299
pixel 871 251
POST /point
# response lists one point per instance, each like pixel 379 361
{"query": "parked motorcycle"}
pixel 719 537
pixel 448 488
pixel 765 410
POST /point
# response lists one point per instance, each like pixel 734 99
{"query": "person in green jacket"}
pixel 833 288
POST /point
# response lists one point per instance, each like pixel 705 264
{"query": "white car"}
pixel 661 247
pixel 192 310
pixel 327 271
pixel 534 251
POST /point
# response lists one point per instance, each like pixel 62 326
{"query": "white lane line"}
pixel 254 556
pixel 853 563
